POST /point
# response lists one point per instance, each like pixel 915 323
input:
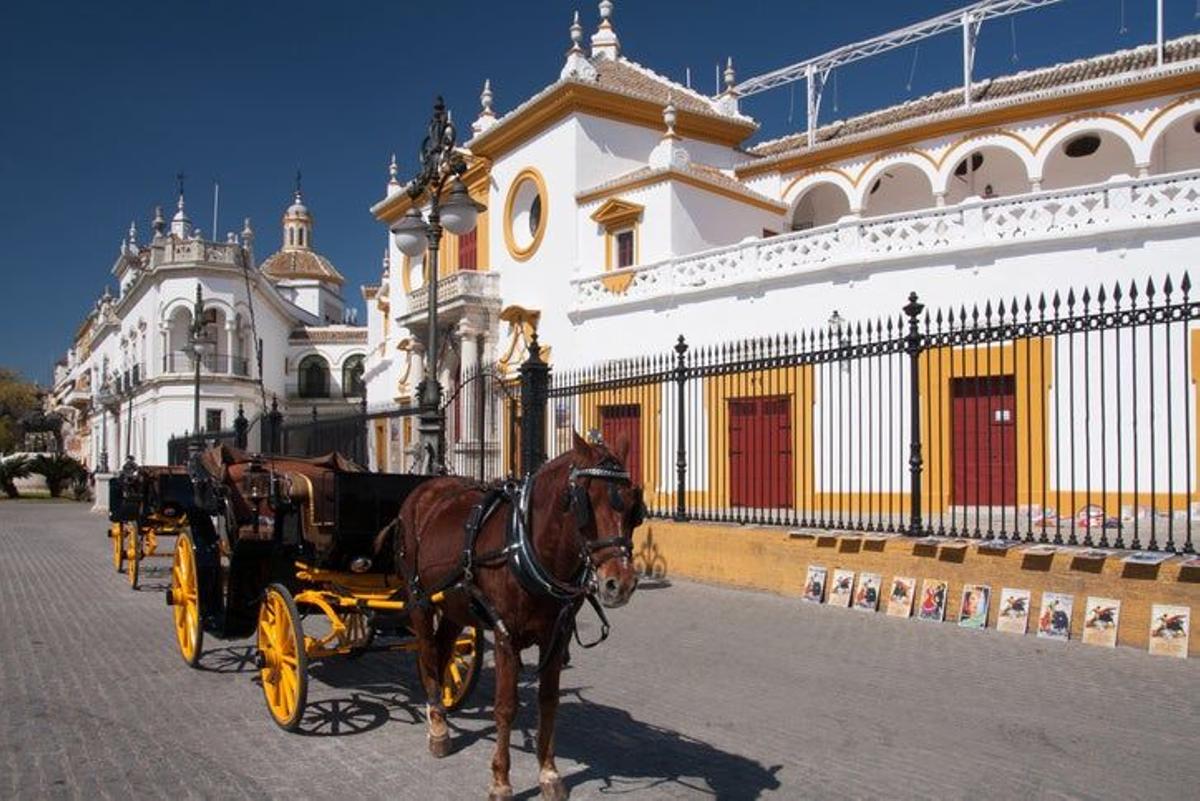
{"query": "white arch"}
pixel 965 147
pixel 1167 118
pixel 1047 147
pixel 801 186
pixel 347 357
pixel 873 171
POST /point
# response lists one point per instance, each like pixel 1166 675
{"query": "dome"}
pixel 301 264
pixel 296 260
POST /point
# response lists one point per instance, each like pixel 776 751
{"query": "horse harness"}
pixel 519 553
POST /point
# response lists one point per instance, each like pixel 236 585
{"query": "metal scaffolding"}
pixel 969 19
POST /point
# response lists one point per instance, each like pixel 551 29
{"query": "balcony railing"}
pixel 464 285
pixel 1118 205
pixel 180 361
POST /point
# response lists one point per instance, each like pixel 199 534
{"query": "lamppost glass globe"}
pixel 410 234
pixel 458 211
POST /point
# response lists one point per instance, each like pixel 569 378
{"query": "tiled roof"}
pixel 301 264
pixel 630 78
pixel 995 90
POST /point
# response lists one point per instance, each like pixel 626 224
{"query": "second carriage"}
pixel 146 503
pixel 274 540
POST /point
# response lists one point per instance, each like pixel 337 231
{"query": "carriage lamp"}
pixel 451 208
pixel 256 483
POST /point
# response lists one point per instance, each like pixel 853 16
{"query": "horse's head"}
pixel 607 506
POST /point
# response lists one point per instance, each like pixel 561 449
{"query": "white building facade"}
pixel 626 209
pixel 127 383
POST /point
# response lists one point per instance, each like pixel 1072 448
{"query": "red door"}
pixel 984 440
pixel 760 452
pixel 620 421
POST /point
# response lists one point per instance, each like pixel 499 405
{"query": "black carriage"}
pixel 146 502
pixel 276 539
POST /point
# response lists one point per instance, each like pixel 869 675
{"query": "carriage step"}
pixel 170 598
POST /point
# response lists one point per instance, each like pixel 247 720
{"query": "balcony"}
pixel 180 361
pixel 456 292
pixel 1120 205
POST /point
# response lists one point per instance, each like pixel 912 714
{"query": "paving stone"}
pixel 701 692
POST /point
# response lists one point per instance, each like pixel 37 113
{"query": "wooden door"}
pixel 624 420
pixel 760 452
pixel 984 440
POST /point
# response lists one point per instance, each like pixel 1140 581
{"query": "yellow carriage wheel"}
pixel 462 671
pixel 185 601
pixel 116 532
pixel 283 662
pixel 134 555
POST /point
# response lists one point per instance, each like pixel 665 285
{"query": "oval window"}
pixel 1082 146
pixel 525 214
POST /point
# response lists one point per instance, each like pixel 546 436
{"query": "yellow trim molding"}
pixel 516 251
pixel 749 197
pixel 1041 107
pixel 579 98
pixel 618 216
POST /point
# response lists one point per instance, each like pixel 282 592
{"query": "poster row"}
pixel 1169 625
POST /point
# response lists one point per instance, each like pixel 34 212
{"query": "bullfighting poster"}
pixel 1013 616
pixel 1101 618
pixel 814 584
pixel 900 599
pixel 1054 621
pixel 866 595
pixel 932 605
pixel 841 588
pixel 1169 627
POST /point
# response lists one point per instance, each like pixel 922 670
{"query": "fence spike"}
pixel 1087 297
pixel 1116 292
pixel 1168 287
pixel 1133 291
pixel 1042 302
pixel 1014 309
pixel 1185 284
pixel 1056 302
pixel 1028 306
pixel 1101 296
pixel 987 312
pixel 1070 300
pixel 1150 287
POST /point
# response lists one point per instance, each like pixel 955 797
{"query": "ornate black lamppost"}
pixel 441 166
pixel 195 350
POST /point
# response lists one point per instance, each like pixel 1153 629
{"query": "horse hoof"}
pixel 554 790
pixel 501 795
pixel 440 746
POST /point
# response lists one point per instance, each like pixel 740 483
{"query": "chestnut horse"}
pixel 520 561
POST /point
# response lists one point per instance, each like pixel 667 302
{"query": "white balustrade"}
pixel 1119 204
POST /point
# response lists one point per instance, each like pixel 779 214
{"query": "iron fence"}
pixel 1066 418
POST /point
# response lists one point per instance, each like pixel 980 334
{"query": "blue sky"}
pixel 101 104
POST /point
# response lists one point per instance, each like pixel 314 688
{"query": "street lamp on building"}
pixel 450 208
pixel 197 342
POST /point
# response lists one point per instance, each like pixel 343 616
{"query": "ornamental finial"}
pixel 604 40
pixel 730 75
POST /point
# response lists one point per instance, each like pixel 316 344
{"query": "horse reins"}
pixel 522 558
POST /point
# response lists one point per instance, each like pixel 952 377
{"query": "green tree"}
pixel 10 470
pixel 18 398
pixel 58 470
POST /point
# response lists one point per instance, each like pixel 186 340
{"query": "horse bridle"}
pixel 580 504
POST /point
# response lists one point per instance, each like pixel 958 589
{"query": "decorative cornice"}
pixel 572 96
pixel 331 336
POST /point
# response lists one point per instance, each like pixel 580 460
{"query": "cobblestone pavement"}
pixel 700 692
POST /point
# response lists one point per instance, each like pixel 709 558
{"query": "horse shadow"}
pixel 619 752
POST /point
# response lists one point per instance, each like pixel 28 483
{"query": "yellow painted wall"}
pixel 771 560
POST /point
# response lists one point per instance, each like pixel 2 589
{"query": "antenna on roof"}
pixel 913 70
pixel 717 79
pixel 216 204
pixel 689 69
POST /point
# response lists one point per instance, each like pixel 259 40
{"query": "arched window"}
pixel 352 378
pixel 314 377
